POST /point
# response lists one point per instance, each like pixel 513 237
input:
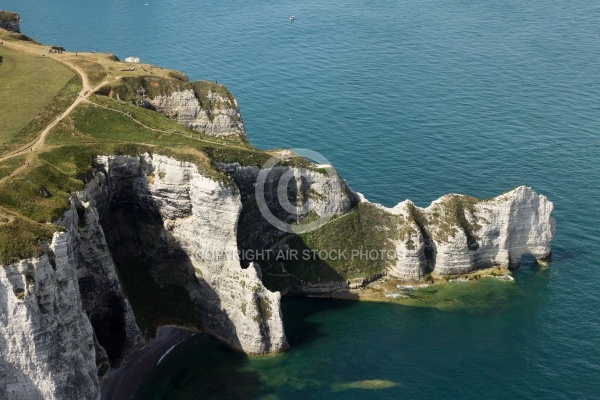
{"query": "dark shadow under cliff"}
pixel 153 271
pixel 156 273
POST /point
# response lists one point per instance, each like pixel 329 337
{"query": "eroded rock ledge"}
pixel 203 106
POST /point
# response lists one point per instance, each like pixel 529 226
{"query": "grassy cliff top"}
pixel 47 146
pixel 53 125
pixel 28 85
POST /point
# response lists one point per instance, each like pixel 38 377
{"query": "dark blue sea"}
pixel 408 99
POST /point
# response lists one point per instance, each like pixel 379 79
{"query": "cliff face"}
pixel 197 220
pixel 219 116
pixel 116 334
pixel 10 21
pixel 66 319
pixel 46 339
pixel 175 234
pixel 457 234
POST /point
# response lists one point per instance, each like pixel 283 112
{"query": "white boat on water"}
pixel 292 18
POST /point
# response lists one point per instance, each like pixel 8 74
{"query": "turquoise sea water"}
pixel 408 99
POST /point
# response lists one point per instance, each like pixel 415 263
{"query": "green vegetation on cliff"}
pixel 20 239
pixel 133 89
pixel 447 216
pixel 8 166
pixel 136 89
pixel 95 71
pixel 345 248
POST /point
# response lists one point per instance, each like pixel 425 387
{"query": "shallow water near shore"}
pixel 410 99
pixel 351 350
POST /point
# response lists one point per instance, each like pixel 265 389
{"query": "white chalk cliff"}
pixel 56 310
pixel 65 319
pixel 46 339
pixel 457 235
pixel 202 214
pixel 220 116
pixel 199 216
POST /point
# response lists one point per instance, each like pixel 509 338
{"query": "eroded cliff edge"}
pixel 165 215
pixel 68 308
pixel 364 242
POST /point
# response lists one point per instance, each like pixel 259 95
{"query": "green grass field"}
pixel 27 84
pixel 8 166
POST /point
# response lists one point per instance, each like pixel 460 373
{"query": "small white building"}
pixel 134 60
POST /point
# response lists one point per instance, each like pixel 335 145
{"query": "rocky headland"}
pixel 10 21
pixel 153 238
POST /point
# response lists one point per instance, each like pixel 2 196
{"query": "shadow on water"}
pixel 300 329
pixel 203 368
pixel 354 350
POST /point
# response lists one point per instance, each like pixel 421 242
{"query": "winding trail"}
pixel 30 151
pixel 38 144
pixel 85 92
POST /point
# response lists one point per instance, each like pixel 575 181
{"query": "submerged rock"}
pixel 373 384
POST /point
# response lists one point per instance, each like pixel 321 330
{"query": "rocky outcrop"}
pixel 459 234
pixel 202 106
pixel 218 116
pixel 336 289
pixel 455 235
pixel 316 194
pixel 10 21
pixel 46 340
